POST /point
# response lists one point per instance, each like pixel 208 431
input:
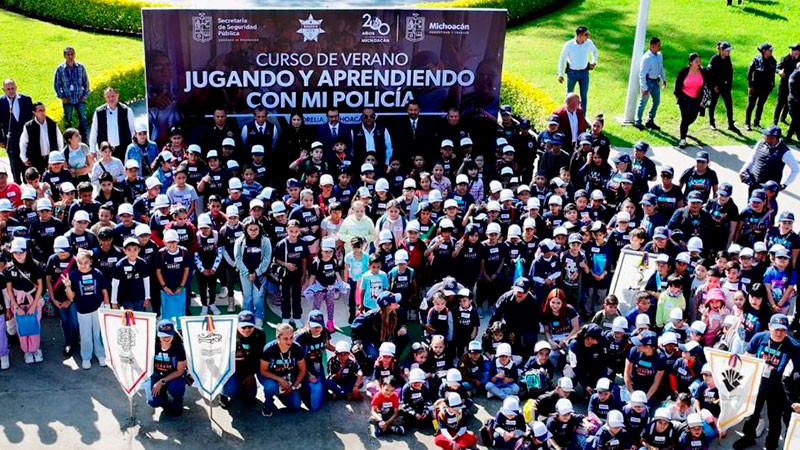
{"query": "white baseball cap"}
pixel 615 419
pixel 44 204
pixel 326 180
pixel 435 195
pixel 131 164
pixel 495 186
pixel 619 325
pixel 506 194
pixel 503 349
pixel 235 184
pixel 150 182
pixel 401 256
pixel 161 201
pixel 387 349
pixel 564 406
pixel 493 228
pixel 125 208
pixel 412 226
pixel 204 221
pixel 141 230
pixel 61 243
pixel 416 375
pixel 533 203
pixel 462 178
pixel 67 187
pixel 639 398
pixel 171 235
pixel 385 236
pixel 409 183
pixel 543 345
pixel 81 216
pixel 493 205
pixel 233 210
pixel 566 384
pixel 382 185
pixel 450 203
pixel 329 244
pixel 514 231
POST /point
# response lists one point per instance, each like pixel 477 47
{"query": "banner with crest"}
pixel 633 271
pixel 738 378
pixel 792 439
pixel 129 338
pixel 210 344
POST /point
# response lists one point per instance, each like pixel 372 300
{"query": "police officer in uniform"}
pixel 785 68
pixel 770 156
pixel 721 70
pixel 218 130
pixel 760 82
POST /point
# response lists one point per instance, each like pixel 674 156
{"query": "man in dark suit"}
pixel 571 120
pixel 330 130
pixel 15 110
pixel 412 134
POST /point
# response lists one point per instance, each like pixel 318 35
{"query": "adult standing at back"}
pixel 786 67
pixel 571 120
pixel 71 84
pixel 40 136
pixel 15 111
pixel 760 82
pixel 113 123
pixel 721 70
pixel 574 61
pixel 651 79
pixel 689 87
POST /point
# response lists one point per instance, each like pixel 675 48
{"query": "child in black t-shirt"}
pixel 325 281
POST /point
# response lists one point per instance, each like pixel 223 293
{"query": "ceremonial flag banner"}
pixel 738 378
pixel 792 439
pixel 631 275
pixel 129 338
pixel 312 59
pixel 210 351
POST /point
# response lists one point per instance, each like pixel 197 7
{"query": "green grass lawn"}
pixel 31 49
pixel 684 26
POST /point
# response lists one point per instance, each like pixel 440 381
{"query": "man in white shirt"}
pixel 40 136
pixel 112 122
pixel 575 62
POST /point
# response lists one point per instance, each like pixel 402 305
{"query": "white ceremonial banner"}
pixel 210 344
pixel 630 276
pixel 129 338
pixel 792 439
pixel 738 378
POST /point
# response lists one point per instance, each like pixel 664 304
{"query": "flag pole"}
pixel 633 76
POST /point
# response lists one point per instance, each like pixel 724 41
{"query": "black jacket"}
pixel 761 73
pixel 721 71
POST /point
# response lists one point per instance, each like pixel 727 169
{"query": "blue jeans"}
pixel 292 401
pixel 69 324
pixel 252 296
pixel 580 77
pixel 135 305
pixel 234 388
pixel 81 109
pixel 313 393
pixel 339 390
pixel 502 390
pixel 175 388
pixel 654 90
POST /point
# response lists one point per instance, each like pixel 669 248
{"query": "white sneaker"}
pixel 204 311
pixel 259 324
pixel 86 364
pixel 38 357
pixel 223 292
pixel 760 427
pixel 215 310
pixel 28 358
pixel 231 304
pixel 101 362
pixel 489 394
pixel 4 364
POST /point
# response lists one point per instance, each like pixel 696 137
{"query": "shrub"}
pixel 518 10
pixel 127 79
pixel 119 16
pixel 526 99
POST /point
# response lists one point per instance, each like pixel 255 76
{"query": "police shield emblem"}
pixel 415 28
pixel 210 351
pixel 201 28
pixel 129 339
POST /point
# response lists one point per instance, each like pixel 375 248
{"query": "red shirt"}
pixel 386 404
pixel 13 193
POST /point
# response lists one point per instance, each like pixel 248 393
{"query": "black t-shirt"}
pixel 325 271
pixel 54 268
pixel 492 256
pixel 314 348
pixel 283 364
pixel 131 279
pixel 645 368
pixel 248 353
pixel 24 277
pixel 166 361
pixel 292 252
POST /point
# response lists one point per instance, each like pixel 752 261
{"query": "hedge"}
pixel 127 79
pixel 518 10
pixel 526 99
pixel 116 16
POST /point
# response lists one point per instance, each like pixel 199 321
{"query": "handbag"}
pixel 27 324
pixel 705 100
pixel 277 272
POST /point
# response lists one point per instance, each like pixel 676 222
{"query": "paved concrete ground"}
pixel 58 404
